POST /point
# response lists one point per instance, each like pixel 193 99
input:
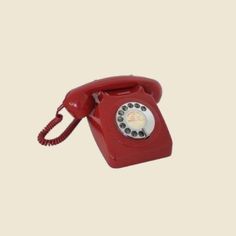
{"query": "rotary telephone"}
pixel 123 116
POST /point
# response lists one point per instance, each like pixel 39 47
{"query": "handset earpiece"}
pixel 79 103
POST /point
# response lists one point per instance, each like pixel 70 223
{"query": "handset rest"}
pixel 79 101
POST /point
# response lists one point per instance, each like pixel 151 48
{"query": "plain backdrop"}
pixel 49 47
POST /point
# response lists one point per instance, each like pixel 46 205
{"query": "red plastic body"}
pixel 100 100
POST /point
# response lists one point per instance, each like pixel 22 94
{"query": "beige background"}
pixel 49 47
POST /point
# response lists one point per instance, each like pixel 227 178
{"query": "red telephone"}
pixel 123 116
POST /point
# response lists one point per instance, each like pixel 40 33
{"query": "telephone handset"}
pixel 123 117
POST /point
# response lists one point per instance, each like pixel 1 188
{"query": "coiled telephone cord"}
pixel 58 118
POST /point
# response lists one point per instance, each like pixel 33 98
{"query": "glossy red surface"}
pixel 99 101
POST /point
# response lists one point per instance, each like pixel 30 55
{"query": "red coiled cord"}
pixel 49 142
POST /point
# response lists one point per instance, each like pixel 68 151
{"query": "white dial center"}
pixel 136 119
